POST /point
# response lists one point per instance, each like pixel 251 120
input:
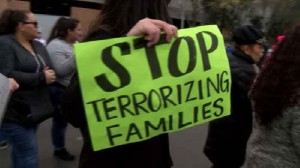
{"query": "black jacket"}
pixel 18 63
pixel 228 136
pixel 152 153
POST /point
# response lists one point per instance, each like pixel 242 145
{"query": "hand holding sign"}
pixel 151 30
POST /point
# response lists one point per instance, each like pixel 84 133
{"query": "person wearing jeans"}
pixel 59 124
pixel 25 148
pixel 27 62
pixel 64 34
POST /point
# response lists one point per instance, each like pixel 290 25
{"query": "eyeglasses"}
pixel 33 23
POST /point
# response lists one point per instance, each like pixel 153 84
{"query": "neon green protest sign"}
pixel 132 93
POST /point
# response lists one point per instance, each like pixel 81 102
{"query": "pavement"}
pixel 186 148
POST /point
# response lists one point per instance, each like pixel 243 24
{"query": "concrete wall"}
pixel 14 4
pixel 85 15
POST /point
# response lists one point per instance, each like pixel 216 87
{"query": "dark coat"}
pixel 27 69
pixel 152 153
pixel 228 136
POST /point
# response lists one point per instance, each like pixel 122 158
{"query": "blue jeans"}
pixel 59 122
pixel 24 145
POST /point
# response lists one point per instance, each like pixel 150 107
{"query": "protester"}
pixel 275 141
pixel 25 60
pixel 227 137
pixel 64 34
pixel 118 18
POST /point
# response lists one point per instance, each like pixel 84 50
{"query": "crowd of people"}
pixel 262 130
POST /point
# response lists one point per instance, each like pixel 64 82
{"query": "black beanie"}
pixel 248 35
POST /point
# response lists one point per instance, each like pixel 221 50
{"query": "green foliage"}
pixel 225 13
pixel 273 16
pixel 228 14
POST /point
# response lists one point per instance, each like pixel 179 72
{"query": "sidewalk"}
pixel 186 148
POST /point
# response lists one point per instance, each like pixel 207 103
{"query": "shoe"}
pixel 63 154
pixel 3 145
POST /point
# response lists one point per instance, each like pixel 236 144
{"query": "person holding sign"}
pixel 64 34
pixel 27 61
pixel 275 139
pixel 119 18
pixel 227 137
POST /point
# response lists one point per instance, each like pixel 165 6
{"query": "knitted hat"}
pixel 248 35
